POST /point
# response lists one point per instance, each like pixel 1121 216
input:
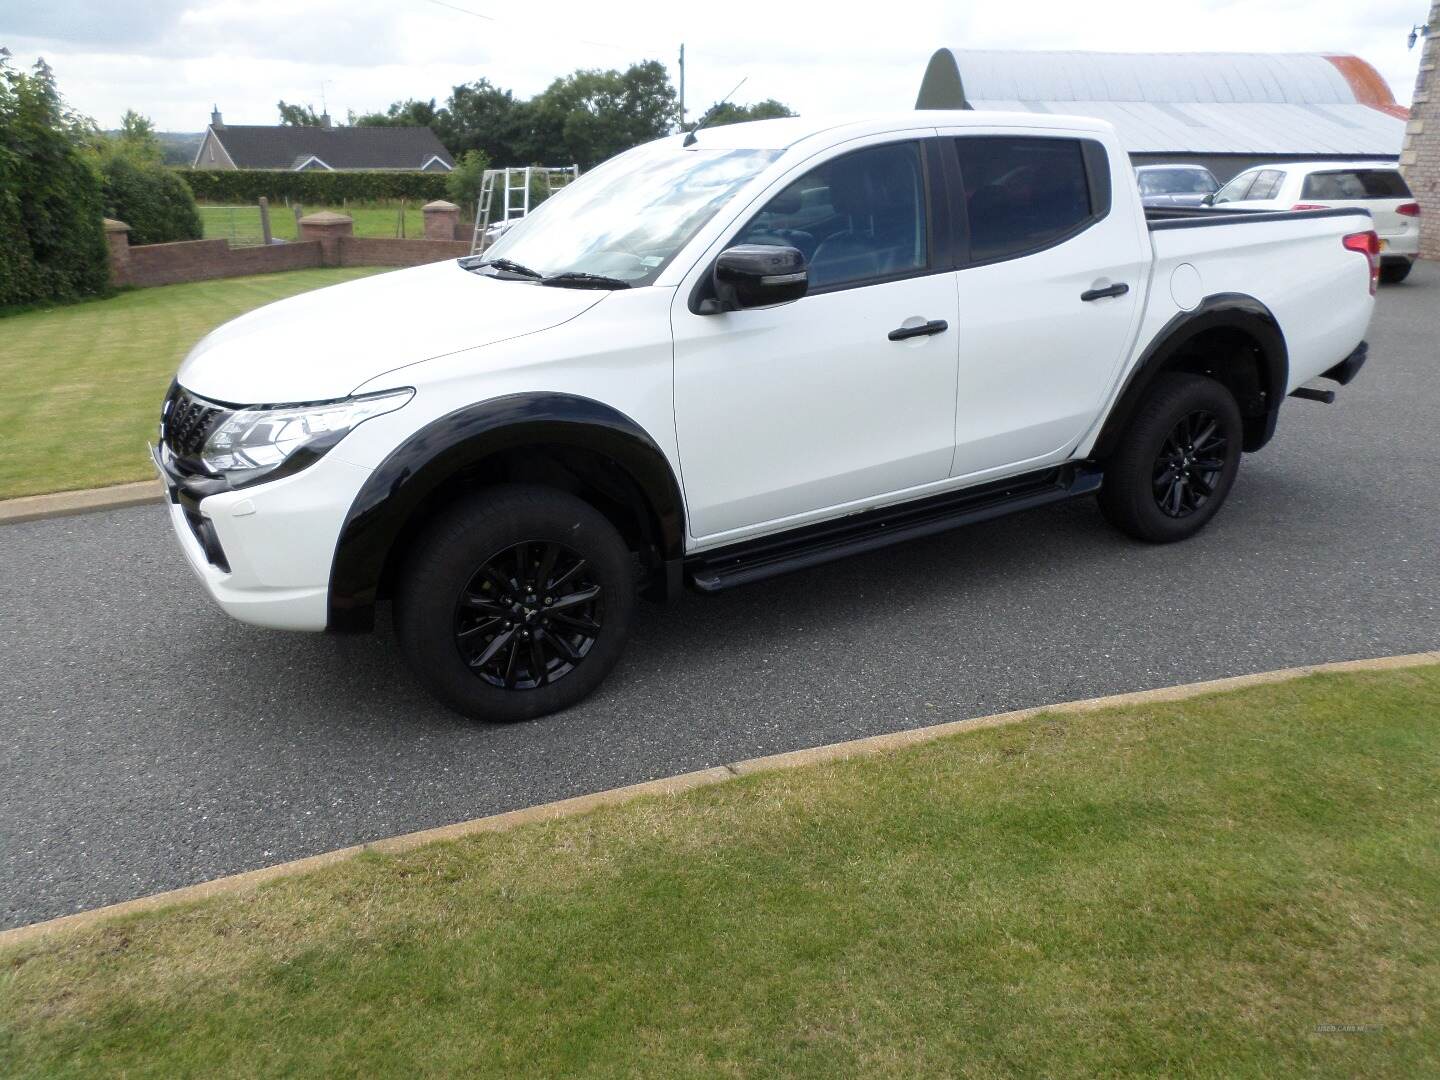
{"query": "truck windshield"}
pixel 627 218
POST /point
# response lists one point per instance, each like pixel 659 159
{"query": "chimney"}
pixel 325 120
pixel 215 119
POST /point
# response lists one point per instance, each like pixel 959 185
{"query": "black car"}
pixel 1175 185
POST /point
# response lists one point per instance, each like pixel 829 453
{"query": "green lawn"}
pixel 1243 885
pixel 243 223
pixel 81 386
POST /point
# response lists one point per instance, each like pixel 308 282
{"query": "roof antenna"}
pixel 690 139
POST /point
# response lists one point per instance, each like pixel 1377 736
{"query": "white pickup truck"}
pixel 722 357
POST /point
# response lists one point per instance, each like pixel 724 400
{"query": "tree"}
pixel 154 201
pixel 298 115
pixel 137 138
pixel 481 116
pixel 462 185
pixel 52 242
pixel 591 115
pixel 727 113
pixel 409 113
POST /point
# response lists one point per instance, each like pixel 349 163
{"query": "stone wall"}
pixel 1420 160
pixel 382 251
pixel 202 260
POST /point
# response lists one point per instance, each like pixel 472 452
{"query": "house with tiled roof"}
pixel 335 149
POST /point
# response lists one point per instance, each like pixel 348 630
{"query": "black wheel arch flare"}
pixel 421 468
pixel 1220 311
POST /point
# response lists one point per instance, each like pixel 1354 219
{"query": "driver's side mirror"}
pixel 1208 200
pixel 756 275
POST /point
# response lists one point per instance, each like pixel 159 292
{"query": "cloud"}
pixel 171 60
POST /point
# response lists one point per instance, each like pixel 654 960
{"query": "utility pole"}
pixel 682 86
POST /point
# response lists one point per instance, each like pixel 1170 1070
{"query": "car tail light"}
pixel 1409 209
pixel 1368 244
pixel 1309 206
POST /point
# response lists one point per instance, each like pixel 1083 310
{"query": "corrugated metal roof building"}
pixel 1224 110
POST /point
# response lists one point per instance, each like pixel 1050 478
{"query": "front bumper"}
pixel 264 553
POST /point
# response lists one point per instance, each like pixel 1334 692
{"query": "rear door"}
pixel 1049 291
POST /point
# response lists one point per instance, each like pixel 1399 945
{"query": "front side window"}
pixel 630 216
pixel 1021 193
pixel 858 217
pixel 1237 189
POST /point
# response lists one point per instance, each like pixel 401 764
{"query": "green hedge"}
pixel 317 187
pixel 151 199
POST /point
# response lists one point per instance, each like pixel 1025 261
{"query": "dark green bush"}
pixel 52 241
pixel 317 187
pixel 153 200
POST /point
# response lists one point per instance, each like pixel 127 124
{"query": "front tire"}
pixel 515 603
pixel 1176 461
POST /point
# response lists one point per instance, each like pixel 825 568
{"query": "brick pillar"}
pixel 1420 160
pixel 117 238
pixel 328 228
pixel 442 219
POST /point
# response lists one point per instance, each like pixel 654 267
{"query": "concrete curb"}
pixel 90 500
pixel 676 785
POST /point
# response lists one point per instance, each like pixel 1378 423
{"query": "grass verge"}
pixel 81 386
pixel 1237 885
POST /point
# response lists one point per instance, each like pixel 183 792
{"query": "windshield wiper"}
pixel 510 266
pixel 577 279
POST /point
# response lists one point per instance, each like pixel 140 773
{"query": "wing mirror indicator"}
pixel 756 275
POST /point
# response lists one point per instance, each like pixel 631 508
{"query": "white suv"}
pixel 1376 186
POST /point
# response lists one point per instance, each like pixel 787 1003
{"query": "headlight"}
pixel 263 443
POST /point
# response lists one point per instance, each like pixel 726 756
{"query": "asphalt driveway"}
pixel 147 742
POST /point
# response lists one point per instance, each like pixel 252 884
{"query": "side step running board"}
pixel 756 560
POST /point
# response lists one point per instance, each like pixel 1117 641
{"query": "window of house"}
pixel 1022 193
pixel 858 217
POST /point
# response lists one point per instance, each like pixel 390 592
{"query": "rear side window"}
pixel 1356 184
pixel 1267 184
pixel 1022 194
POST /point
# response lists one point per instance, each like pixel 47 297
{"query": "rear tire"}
pixel 515 603
pixel 1176 461
pixel 1394 271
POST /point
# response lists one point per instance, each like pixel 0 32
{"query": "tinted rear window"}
pixel 1356 184
pixel 1022 193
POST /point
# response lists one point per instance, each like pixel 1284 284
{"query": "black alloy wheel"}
pixel 515 602
pixel 1188 467
pixel 529 615
pixel 1176 460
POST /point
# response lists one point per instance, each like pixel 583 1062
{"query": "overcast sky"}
pixel 170 59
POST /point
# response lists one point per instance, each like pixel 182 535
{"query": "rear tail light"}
pixel 1367 244
pixel 1409 209
pixel 1309 206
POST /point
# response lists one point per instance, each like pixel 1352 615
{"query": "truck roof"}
pixel 784 132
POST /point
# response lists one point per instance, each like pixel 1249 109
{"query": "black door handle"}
pixel 1119 289
pixel 934 326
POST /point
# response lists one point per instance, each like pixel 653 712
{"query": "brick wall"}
pixel 201 260
pixel 1420 160
pixel 383 251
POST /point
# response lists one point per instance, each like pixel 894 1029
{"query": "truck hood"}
pixel 323 344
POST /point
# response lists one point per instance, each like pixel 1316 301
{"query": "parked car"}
pixel 710 364
pixel 1175 185
pixel 1376 186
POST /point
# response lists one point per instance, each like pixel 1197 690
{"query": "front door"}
pixel 788 412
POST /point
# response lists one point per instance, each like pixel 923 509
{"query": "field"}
pixel 241 224
pixel 1239 885
pixel 81 386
